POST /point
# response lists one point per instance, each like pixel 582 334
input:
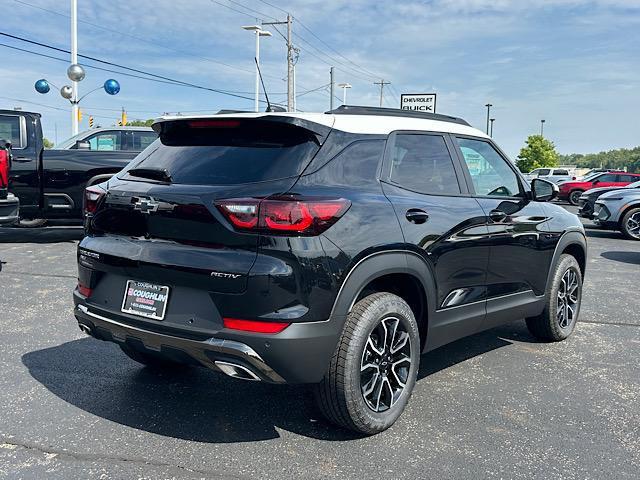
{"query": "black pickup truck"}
pixel 49 184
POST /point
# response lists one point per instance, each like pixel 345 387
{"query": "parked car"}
pixel 572 191
pixel 554 175
pixel 330 249
pixel 588 199
pixel 619 210
pixel 51 183
pixel 110 139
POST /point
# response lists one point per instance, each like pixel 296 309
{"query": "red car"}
pixel 572 190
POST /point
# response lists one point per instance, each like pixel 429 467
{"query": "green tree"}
pixel 47 143
pixel 140 123
pixel 537 152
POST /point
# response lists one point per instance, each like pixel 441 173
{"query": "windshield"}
pixel 633 185
pixel 226 152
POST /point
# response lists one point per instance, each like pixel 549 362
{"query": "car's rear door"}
pixel 607 180
pixel 441 223
pixel 521 243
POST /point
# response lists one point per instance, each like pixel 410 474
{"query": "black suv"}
pixel 330 249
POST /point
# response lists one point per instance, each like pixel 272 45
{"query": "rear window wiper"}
pixel 159 174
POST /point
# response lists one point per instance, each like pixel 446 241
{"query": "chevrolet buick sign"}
pixel 421 102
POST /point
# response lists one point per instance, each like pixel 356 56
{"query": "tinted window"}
pixel 606 178
pixel 10 130
pixel 490 173
pixel 543 171
pixel 422 163
pixel 627 178
pixel 105 141
pixel 142 140
pixel 239 151
pixel 355 165
pixel 559 171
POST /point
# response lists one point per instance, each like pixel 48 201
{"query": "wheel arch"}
pixel 625 210
pixel 403 273
pixel 573 243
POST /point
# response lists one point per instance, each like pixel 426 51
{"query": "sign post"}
pixel 420 102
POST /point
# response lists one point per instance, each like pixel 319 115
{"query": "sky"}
pixel 573 63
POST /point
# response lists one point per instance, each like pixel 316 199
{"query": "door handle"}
pixel 22 159
pixel 497 215
pixel 415 215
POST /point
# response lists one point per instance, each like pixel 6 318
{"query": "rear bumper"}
pixel 299 354
pixel 9 210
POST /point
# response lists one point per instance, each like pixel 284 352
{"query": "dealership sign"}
pixel 421 102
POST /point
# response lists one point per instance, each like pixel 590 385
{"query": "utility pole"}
pixel 331 89
pixel 290 63
pixel 491 127
pixel 488 105
pixel 382 83
pixel 542 127
pixel 74 61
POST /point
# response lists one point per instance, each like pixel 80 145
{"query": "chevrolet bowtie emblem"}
pixel 145 205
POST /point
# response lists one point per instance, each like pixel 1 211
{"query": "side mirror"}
pixel 543 190
pixel 82 145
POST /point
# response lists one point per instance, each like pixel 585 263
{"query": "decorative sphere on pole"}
pixel 66 92
pixel 75 73
pixel 111 86
pixel 42 86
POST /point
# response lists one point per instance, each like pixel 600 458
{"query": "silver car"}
pixel 555 175
pixel 619 210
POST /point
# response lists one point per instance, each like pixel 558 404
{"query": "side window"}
pixel 422 163
pixel 11 130
pixel 627 178
pixel 543 172
pixel 606 178
pixel 105 141
pixel 356 165
pixel 490 173
pixel 560 171
pixel 142 140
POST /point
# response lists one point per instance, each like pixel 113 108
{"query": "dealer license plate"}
pixel 145 299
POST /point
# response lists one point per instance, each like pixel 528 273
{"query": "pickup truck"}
pixel 50 183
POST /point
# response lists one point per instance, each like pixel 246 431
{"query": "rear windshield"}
pixel 228 151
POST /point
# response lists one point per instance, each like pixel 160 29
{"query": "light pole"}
pixel 488 105
pixel 491 127
pixel 542 127
pixel 344 87
pixel 74 61
pixel 258 32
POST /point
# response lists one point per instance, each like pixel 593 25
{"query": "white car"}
pixel 555 175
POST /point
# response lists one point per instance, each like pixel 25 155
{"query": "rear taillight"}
pixel 4 168
pixel 84 291
pixel 287 214
pixel 254 326
pixel 92 196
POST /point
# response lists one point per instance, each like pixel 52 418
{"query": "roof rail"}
pixel 394 112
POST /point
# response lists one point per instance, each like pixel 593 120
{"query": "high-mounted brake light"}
pixel 214 123
pixel 254 326
pixel 92 196
pixel 286 214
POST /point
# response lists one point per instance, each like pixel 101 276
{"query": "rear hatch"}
pixel 158 221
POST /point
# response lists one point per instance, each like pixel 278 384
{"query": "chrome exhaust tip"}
pixel 236 371
pixel 85 329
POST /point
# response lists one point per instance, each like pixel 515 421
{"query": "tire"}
pixel 574 197
pixel 32 222
pixel 630 224
pixel 155 362
pixel 556 322
pixel 389 377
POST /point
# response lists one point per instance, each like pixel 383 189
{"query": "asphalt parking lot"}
pixel 496 405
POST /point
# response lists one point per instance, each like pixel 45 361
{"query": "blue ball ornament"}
pixel 111 86
pixel 42 86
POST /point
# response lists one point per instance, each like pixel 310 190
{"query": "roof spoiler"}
pixel 395 112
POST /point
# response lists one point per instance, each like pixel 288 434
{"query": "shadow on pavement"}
pixel 40 235
pixel 625 257
pixel 597 233
pixel 197 404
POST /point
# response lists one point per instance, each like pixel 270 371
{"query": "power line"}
pixel 145 40
pixel 159 77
